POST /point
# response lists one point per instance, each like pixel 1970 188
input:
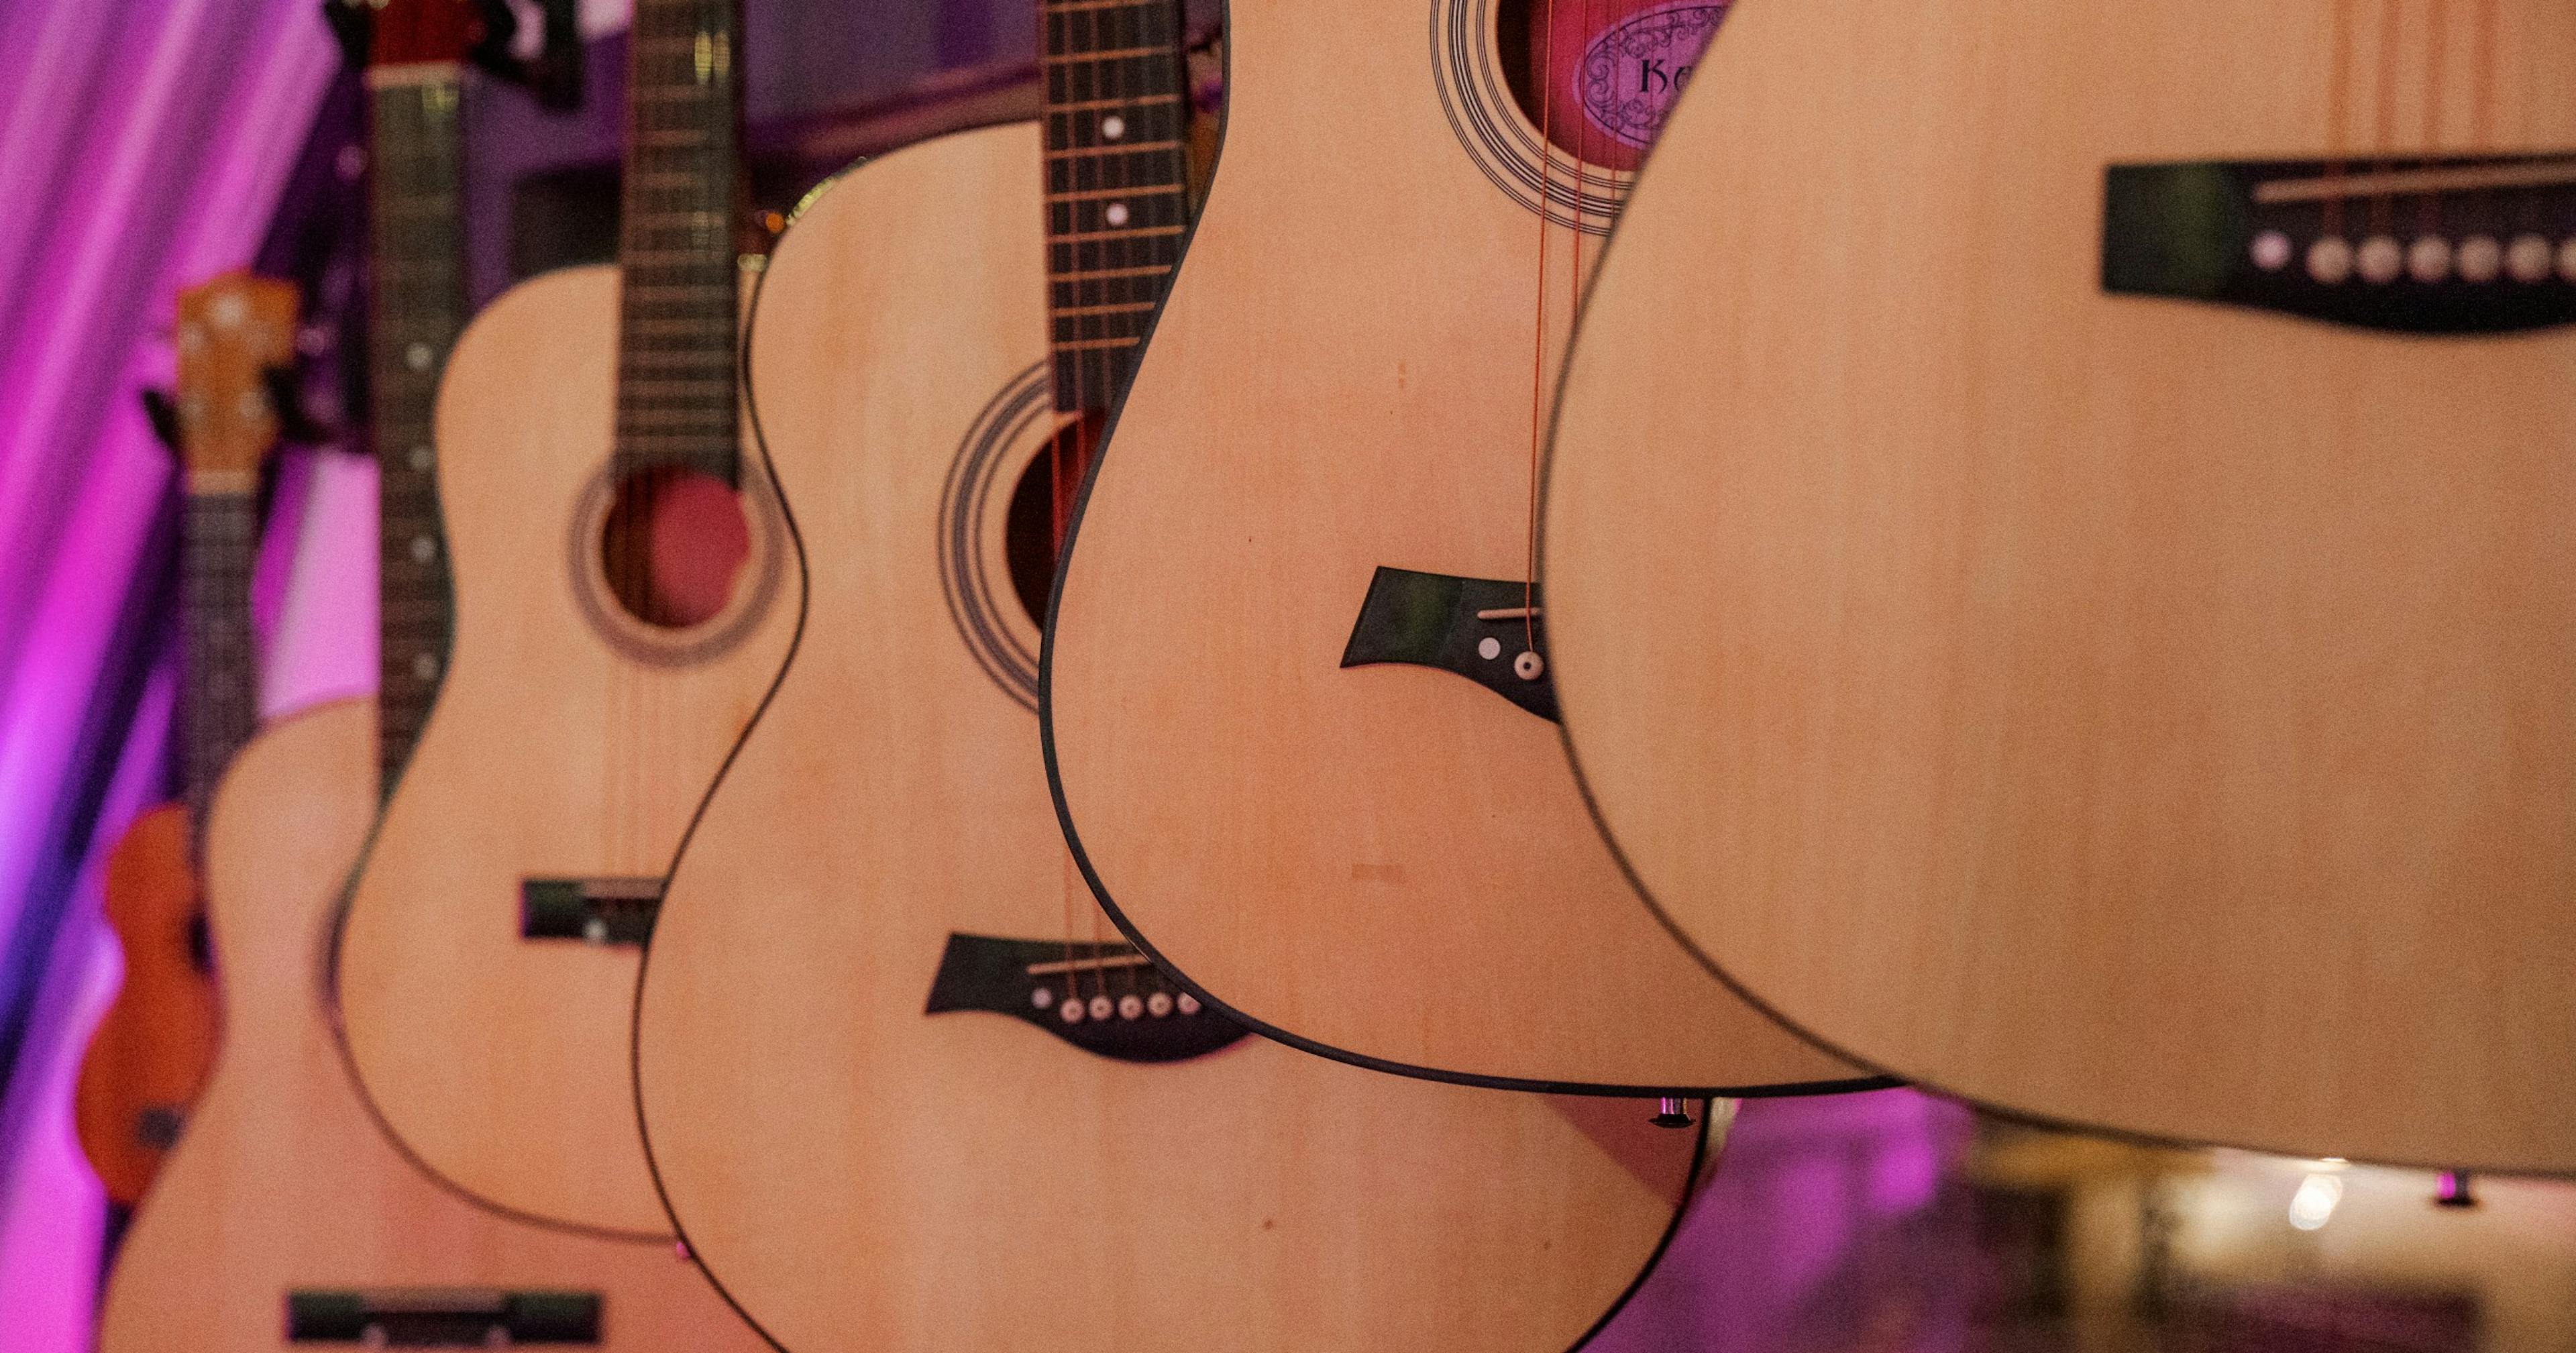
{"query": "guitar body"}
pixel 2128 707
pixel 149 1056
pixel 870 1131
pixel 283 1183
pixel 565 745
pixel 1384 862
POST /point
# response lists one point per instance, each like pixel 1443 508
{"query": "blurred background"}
pixel 148 144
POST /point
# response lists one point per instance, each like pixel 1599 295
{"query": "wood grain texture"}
pixel 1391 862
pixel 861 1175
pixel 283 1181
pixel 2125 711
pixel 152 1050
pixel 503 1062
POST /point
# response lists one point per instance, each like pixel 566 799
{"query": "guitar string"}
pixel 1544 70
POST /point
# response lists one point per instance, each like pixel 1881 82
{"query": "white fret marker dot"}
pixel 2272 251
pixel 2528 259
pixel 423 548
pixel 2330 260
pixel 1116 214
pixel 1042 997
pixel 417 356
pixel 2428 260
pixel 425 666
pixel 2481 259
pixel 2381 259
pixel 421 456
pixel 1112 127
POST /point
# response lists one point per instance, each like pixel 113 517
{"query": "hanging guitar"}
pixel 903 1085
pixel 151 1052
pixel 617 616
pixel 2059 555
pixel 286 1218
pixel 1297 703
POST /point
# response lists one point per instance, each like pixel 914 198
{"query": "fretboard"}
pixel 676 344
pixel 1117 120
pixel 219 683
pixel 417 256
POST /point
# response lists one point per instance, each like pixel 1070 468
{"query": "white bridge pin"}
pixel 2330 261
pixel 2528 259
pixel 1189 1004
pixel 1100 1007
pixel 1131 1006
pixel 1529 666
pixel 2381 259
pixel 2481 259
pixel 2273 251
pixel 1159 1004
pixel 2428 260
pixel 1042 997
pixel 1071 1011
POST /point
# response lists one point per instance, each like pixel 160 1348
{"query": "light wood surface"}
pixel 552 753
pixel 283 1182
pixel 153 1048
pixel 2126 711
pixel 1391 862
pixel 862 1176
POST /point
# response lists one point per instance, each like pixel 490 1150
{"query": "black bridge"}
pixel 1486 631
pixel 2482 245
pixel 1105 999
pixel 441 1317
pixel 595 911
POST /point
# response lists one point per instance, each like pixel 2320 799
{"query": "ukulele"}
pixel 2058 539
pixel 617 617
pixel 1297 703
pixel 286 1217
pixel 150 1054
pixel 902 1085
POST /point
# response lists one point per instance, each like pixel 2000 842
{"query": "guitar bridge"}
pixel 441 1317
pixel 1486 631
pixel 2445 245
pixel 1106 999
pixel 604 911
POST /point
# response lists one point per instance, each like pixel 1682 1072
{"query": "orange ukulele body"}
pixel 150 1054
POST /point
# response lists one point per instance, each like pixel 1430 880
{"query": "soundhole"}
pixel 1557 101
pixel 673 545
pixel 1029 532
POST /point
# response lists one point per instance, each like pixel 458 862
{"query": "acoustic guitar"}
pixel 617 616
pixel 1297 700
pixel 286 1217
pixel 903 1086
pixel 2058 533
pixel 151 1052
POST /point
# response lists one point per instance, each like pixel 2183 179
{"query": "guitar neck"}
pixel 417 247
pixel 219 687
pixel 1117 197
pixel 676 249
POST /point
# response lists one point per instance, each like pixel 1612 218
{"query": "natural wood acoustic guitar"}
pixel 151 1052
pixel 2059 543
pixel 617 616
pixel 1297 699
pixel 286 1217
pixel 903 1086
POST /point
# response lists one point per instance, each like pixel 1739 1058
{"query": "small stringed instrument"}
pixel 617 617
pixel 149 1056
pixel 1296 696
pixel 286 1217
pixel 2058 546
pixel 903 1087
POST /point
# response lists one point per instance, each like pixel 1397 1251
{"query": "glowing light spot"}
pixel 2314 1204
